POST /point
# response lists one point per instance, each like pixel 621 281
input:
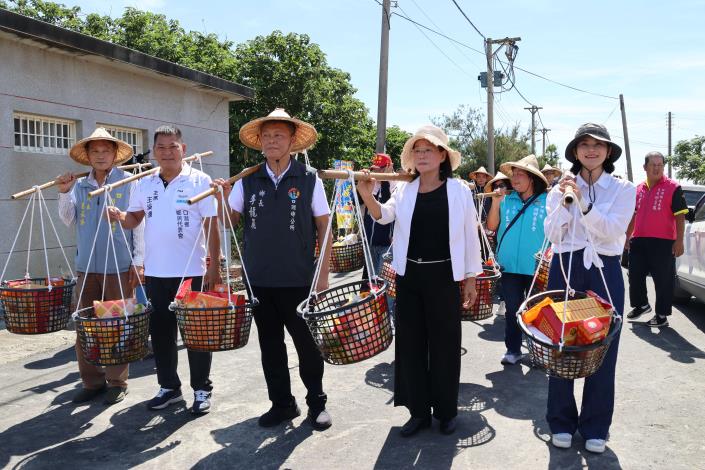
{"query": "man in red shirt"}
pixel 656 240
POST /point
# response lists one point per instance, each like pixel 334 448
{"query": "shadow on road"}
pixel 430 448
pixel 129 441
pixel 61 357
pixel 695 312
pixel 263 448
pixel 492 331
pixel 678 348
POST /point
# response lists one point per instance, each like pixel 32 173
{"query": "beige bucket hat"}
pixel 551 172
pixel 482 170
pixel 529 164
pixel 497 177
pixel 79 152
pixel 304 137
pixel 434 135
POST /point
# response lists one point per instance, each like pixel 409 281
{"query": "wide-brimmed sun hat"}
pixel 481 170
pixel 437 137
pixel 304 137
pixel 596 131
pixel 530 164
pixel 79 150
pixel 548 170
pixel 499 176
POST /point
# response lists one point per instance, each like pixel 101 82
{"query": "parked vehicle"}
pixel 692 193
pixel 690 268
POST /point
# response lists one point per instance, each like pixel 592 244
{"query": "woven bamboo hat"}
pixel 434 135
pixel 304 137
pixel 79 150
pixel 530 164
pixel 497 177
pixel 480 170
pixel 551 172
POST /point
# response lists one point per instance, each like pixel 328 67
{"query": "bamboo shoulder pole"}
pixel 492 194
pixel 49 184
pixel 360 176
pixel 132 178
pixel 231 180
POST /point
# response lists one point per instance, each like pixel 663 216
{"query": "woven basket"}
pixel 349 333
pixel 346 258
pixel 113 341
pixel 543 265
pixel 37 310
pixel 485 286
pixel 389 275
pixel 214 329
pixel 573 362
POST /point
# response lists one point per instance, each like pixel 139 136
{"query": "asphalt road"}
pixel 658 421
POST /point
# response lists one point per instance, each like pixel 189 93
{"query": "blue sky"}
pixel 650 51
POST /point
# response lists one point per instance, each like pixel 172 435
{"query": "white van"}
pixel 690 268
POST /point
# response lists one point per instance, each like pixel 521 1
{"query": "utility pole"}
pixel 383 68
pixel 544 131
pixel 489 53
pixel 669 144
pixel 627 153
pixel 533 110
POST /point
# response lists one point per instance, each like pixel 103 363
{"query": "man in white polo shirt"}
pixel 171 230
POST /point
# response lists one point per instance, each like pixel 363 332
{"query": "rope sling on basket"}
pixel 568 333
pixel 543 264
pixel 351 322
pixel 486 282
pixel 36 305
pixel 115 331
pixel 219 320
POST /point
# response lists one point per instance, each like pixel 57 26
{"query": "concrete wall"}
pixel 45 81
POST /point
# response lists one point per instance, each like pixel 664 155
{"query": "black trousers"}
pixel 652 256
pixel 162 327
pixel 277 310
pixel 428 334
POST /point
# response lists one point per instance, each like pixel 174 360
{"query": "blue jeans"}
pixel 515 288
pixel 597 408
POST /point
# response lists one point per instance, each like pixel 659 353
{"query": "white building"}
pixel 57 86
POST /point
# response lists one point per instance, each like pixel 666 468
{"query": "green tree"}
pixel 550 157
pixel 689 159
pixel 467 131
pixel 394 143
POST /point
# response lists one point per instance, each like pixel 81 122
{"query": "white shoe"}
pixel 595 445
pixel 509 359
pixel 562 440
pixel 201 402
pixel 322 421
pixel 501 309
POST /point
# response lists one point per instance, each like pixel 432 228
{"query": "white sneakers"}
pixel 595 445
pixel 563 440
pixel 501 308
pixel 322 421
pixel 509 359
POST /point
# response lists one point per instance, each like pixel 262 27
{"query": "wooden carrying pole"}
pixel 231 180
pixel 49 184
pixel 132 178
pixel 360 176
pixel 492 194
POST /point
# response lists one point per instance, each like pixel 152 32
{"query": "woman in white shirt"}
pixel 435 247
pixel 600 215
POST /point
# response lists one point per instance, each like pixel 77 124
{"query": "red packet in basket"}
pixel 184 289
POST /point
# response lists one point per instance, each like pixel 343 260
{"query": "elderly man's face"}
pixel 101 154
pixel 654 168
pixel 169 151
pixel 277 139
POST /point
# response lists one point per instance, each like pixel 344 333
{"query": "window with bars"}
pixel 42 134
pixel 126 134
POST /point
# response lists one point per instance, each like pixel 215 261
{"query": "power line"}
pixel 564 85
pixel 437 47
pixel 469 21
pixel 436 32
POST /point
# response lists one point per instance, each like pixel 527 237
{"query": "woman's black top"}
pixel 429 239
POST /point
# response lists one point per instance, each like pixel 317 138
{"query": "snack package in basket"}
pixel 41 305
pixel 113 337
pixel 591 314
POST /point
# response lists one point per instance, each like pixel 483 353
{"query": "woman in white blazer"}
pixel 435 247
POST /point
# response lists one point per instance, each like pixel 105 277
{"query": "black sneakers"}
pixel 115 395
pixel 414 425
pixel 164 398
pixel 87 394
pixel 636 312
pixel 657 322
pixel 278 414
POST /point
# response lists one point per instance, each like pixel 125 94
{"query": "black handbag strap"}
pixel 516 217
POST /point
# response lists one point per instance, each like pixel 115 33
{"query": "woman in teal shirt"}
pixel 518 218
